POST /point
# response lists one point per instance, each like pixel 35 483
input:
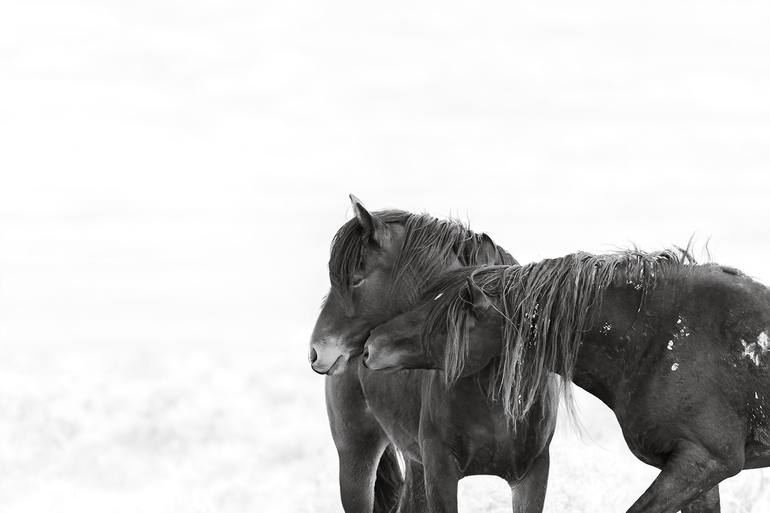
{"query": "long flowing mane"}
pixel 548 306
pixel 429 245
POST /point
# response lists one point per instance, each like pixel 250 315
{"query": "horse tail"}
pixel 388 483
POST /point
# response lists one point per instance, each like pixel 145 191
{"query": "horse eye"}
pixel 357 281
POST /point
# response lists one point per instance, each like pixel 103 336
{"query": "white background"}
pixel 171 174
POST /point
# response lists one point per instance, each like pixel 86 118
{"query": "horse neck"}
pixel 619 337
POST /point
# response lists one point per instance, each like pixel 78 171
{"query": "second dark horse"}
pixel 678 351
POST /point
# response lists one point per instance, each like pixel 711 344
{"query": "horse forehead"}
pixel 394 241
pixel 387 250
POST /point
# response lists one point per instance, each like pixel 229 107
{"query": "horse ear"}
pixel 486 254
pixel 374 229
pixel 476 296
pixel 490 253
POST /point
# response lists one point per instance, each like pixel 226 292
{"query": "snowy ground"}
pixel 171 174
pixel 230 430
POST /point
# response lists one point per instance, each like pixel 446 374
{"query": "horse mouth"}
pixel 339 364
pixel 381 364
pixel 329 370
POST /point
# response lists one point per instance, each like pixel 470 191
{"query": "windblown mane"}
pixel 429 245
pixel 548 306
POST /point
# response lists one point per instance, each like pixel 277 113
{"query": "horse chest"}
pixel 476 433
pixel 394 399
pixel 486 447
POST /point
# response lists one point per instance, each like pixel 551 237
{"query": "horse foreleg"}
pixel 691 471
pixel 442 474
pixel 359 439
pixel 705 503
pixel 528 494
pixel 358 469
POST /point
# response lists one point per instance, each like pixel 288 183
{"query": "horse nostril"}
pixel 366 353
pixel 313 355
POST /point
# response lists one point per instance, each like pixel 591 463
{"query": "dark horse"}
pixel 380 265
pixel 678 351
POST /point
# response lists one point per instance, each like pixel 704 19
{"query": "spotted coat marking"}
pixel 754 351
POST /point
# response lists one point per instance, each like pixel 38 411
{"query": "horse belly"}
pixel 757 459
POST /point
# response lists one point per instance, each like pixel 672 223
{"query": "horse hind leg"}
pixel 705 503
pixel 413 499
pixel 528 494
pixel 690 478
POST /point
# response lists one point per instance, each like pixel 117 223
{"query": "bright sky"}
pixel 175 171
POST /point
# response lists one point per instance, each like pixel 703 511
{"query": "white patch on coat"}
pixel 675 366
pixel 755 350
pixel 670 345
pixel 750 352
pixel 681 329
pixel 763 342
